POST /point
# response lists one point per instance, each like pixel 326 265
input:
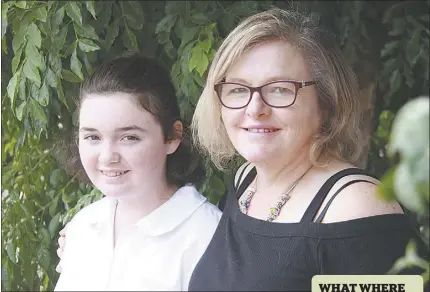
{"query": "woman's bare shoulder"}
pixel 357 200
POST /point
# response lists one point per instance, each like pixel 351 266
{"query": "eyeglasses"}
pixel 277 94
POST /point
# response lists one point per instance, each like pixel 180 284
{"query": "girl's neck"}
pixel 130 209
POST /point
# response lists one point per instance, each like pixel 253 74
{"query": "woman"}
pixel 280 94
pixel 152 226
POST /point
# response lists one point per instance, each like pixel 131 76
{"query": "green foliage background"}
pixel 48 47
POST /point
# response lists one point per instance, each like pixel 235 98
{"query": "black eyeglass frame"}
pixel 297 85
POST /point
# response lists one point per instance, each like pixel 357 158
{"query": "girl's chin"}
pixel 114 191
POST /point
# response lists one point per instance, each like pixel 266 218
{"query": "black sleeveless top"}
pixel 246 253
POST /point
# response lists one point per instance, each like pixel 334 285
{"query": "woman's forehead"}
pixel 269 61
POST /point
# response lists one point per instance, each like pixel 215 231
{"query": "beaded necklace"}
pixel 274 211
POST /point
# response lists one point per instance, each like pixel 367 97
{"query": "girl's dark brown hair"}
pixel 145 79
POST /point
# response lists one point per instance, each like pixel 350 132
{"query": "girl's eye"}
pixel 91 137
pixel 130 138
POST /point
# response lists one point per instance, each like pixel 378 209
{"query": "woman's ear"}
pixel 175 140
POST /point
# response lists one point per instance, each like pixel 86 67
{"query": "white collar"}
pixel 183 203
pixel 172 213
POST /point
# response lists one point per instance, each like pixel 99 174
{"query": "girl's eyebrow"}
pixel 121 129
pixel 130 128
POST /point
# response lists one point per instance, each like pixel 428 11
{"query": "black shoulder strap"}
pixel 245 182
pixel 239 179
pixel 324 211
pixel 319 198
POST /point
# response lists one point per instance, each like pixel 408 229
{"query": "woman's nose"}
pixel 256 107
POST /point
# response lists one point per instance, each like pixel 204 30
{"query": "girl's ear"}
pixel 178 130
pixel 175 140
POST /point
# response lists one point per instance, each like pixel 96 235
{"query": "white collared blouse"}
pixel 160 252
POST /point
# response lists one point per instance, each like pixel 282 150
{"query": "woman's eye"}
pixel 130 138
pixel 91 137
pixel 238 90
pixel 279 90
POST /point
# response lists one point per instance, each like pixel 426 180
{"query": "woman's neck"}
pixel 279 175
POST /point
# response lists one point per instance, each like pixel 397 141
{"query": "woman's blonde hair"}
pixel 341 133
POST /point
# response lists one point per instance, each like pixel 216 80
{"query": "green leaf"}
pixel 70 76
pixel 27 18
pixel 395 81
pixel 389 48
pixel 163 37
pixel 405 129
pixel 399 26
pixel 50 78
pixel 166 24
pixel 405 189
pixel 136 8
pixel 188 33
pixel 20 110
pixel 105 14
pixel 206 45
pixel 60 38
pixel 57 19
pixel 44 29
pixel 4 24
pixel 21 4
pixel 198 61
pixel 74 12
pixel 43 96
pixel 12 86
pixel 414 48
pixel 90 8
pixel 385 189
pixel 60 93
pixel 86 31
pixel 217 185
pixel 87 63
pixel 55 62
pixel 43 257
pixel 33 56
pixel 75 65
pixel 199 18
pixel 112 33
pixel 10 250
pixel 170 50
pixel 87 45
pixel 4 46
pixel 33 35
pixel 22 91
pixel 40 14
pixel 37 111
pixel 19 39
pixel 133 14
pixel 57 177
pixel 31 72
pixel 129 39
pixel 34 90
pixel 53 206
pixel 53 225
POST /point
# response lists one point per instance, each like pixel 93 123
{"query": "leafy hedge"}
pixel 48 47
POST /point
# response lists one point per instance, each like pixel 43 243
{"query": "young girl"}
pixel 152 226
